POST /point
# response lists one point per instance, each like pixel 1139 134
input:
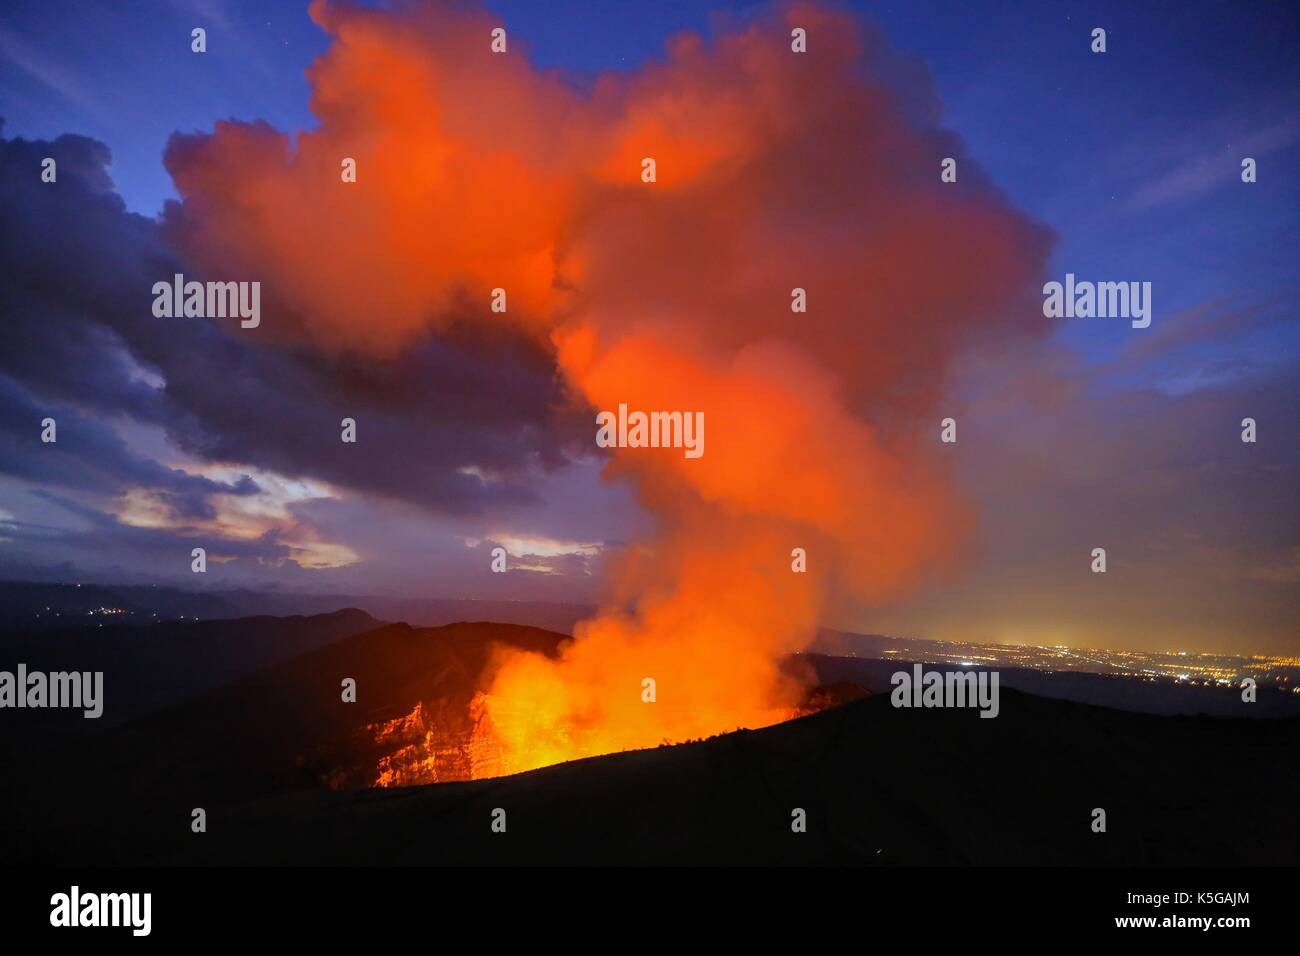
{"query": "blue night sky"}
pixel 1131 158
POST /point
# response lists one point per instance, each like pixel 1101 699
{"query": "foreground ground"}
pixel 878 785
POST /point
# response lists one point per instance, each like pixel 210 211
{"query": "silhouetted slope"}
pixel 150 666
pixel 282 728
pixel 879 784
pixel 147 668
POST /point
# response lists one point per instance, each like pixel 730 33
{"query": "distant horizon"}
pixel 591 609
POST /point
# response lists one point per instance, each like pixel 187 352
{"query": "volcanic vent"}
pixel 450 733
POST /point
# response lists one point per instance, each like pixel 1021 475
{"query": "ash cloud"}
pixel 83 347
pixel 774 171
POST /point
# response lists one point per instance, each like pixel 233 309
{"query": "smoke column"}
pixel 775 170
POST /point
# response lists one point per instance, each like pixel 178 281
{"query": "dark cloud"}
pixel 89 456
pixel 114 551
pixel 454 423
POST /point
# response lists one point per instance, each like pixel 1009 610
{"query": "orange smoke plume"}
pixel 775 171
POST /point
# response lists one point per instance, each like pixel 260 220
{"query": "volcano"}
pixel 417 720
pixel 287 772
